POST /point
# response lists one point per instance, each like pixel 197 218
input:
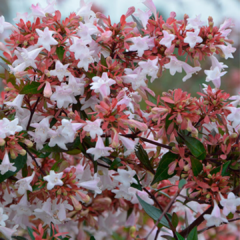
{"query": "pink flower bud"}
pixel 47 90
pixel 77 205
pixel 133 123
pixel 115 139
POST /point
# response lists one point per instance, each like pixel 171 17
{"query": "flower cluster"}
pixel 80 156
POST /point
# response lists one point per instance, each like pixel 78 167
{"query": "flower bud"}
pixel 132 231
pixel 77 205
pixel 47 92
pixel 22 152
pixel 13 154
pixel 2 142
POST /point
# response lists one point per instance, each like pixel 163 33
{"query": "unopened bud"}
pixel 59 191
pixel 208 195
pixel 28 143
pixel 209 175
pixel 32 38
pixel 186 168
pixel 12 154
pixel 132 231
pixel 22 152
pixel 25 43
pixel 234 135
pixel 2 142
pixel 209 166
pixel 210 36
pixel 77 205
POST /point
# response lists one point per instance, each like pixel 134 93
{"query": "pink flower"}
pixel 167 39
pixel 192 38
pixel 47 92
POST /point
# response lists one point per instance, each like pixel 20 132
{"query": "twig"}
pixel 166 216
pixel 32 113
pixel 34 159
pixel 165 211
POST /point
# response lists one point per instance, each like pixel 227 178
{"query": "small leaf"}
pixel 196 166
pixel 60 52
pixel 154 212
pixel 195 146
pixel 179 236
pixel 175 220
pixel 138 185
pixel 30 232
pixel 115 164
pixel 92 238
pixel 103 61
pixel 225 171
pixel 162 170
pixel 31 88
pixel 193 235
pixel 19 163
pixel 143 157
pixel 181 183
pixel 139 25
pixel 151 98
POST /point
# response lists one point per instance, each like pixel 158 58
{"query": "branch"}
pixel 32 113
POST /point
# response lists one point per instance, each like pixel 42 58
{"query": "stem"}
pixel 34 159
pixel 166 216
pixel 197 222
pixel 165 211
pixel 32 112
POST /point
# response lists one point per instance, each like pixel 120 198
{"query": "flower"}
pixel 93 128
pixel 38 11
pixel 24 184
pixel 167 39
pixel 234 116
pixel 150 68
pixel 227 50
pixel 214 76
pixel 195 23
pixel 53 179
pixel 4 25
pixel 150 5
pixel 215 218
pixel 143 16
pixel 102 84
pixel 174 65
pixel 6 166
pixel 229 204
pixel 192 38
pixel 100 150
pixel 60 70
pixel 3 218
pixel 140 44
pixel 45 38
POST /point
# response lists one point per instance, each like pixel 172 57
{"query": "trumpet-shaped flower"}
pixel 3 218
pixel 100 150
pixel 4 25
pixel 192 38
pixel 24 184
pixel 230 203
pixel 93 128
pixel 140 44
pixel 195 23
pixel 214 76
pixel 60 71
pixel 8 128
pixel 53 179
pixel 45 38
pixel 167 39
pixel 227 50
pixel 143 16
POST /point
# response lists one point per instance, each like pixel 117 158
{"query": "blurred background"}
pixel 218 9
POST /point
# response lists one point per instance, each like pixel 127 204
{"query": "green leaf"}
pixel 77 107
pixel 31 88
pixel 196 166
pixel 195 146
pixel 60 52
pixel 179 236
pixel 92 238
pixel 103 61
pixel 115 164
pixel 138 185
pixel 193 235
pixel 154 212
pixel 143 157
pixel 225 171
pixel 30 232
pixel 139 25
pixel 175 220
pixel 181 183
pixel 151 98
pixel 19 238
pixel 19 163
pixel 162 170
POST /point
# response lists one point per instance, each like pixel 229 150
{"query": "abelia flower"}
pixel 167 39
pixel 151 6
pixel 236 99
pixel 100 150
pixel 60 71
pixel 86 31
pixel 24 184
pixel 192 38
pixel 227 50
pixel 24 16
pixel 93 128
pixel 215 218
pixel 4 25
pixel 214 76
pixel 63 96
pixel 85 59
pixel 17 102
pixel 230 203
pixel 38 11
pixel 234 116
pixel 3 218
pixel 53 179
pixel 143 16
pixel 8 128
pixel 45 38
pixel 140 44
pixel 174 65
pixel 79 46
pixel 150 68
pixel 195 23
pixel 102 84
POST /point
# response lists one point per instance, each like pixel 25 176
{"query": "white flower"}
pixel 17 102
pixel 85 60
pixel 4 25
pixel 150 68
pixel 234 116
pixel 227 50
pixel 192 38
pixel 167 39
pixel 143 16
pixel 236 99
pixel 102 84
pixel 79 47
pixel 215 218
pixel 9 128
pixel 195 23
pixel 86 30
pixel 60 71
pixel 3 218
pixel 100 150
pixel 45 38
pixel 214 76
pixel 229 204
pixel 140 44
pixel 91 185
pixel 93 128
pixel 38 11
pixel 6 166
pixel 24 184
pixel 174 65
pixel 53 179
